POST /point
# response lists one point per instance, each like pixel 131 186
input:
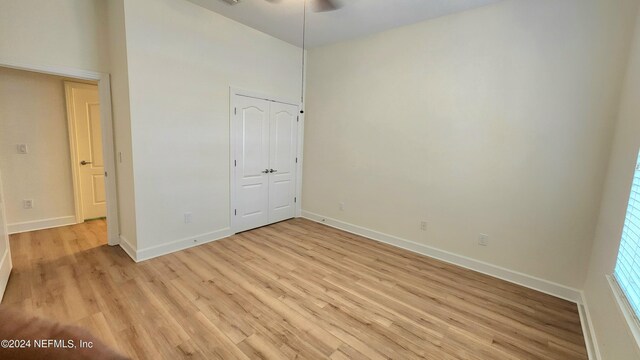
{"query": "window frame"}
pixel 628 312
pixel 625 308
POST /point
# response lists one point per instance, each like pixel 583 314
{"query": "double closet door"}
pixel 265 164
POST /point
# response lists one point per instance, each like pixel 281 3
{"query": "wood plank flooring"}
pixel 296 289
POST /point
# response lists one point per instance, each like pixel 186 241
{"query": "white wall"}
pixel 182 59
pixel 67 33
pixel 496 121
pixel 32 112
pixel 614 339
pixel 117 42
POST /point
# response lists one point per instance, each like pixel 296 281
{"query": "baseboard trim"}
pixel 5 272
pixel 128 248
pixel 593 351
pixel 171 247
pixel 532 282
pixel 34 225
pixel 168 248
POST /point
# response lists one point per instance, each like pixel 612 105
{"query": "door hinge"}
pixel 295 199
pixel 296 160
pixel 235 111
pixel 105 174
pixel 235 163
pixel 235 212
pixel 298 119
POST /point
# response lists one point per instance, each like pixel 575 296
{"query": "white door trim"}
pixel 5 257
pixel 300 152
pixel 259 95
pixel 106 122
pixel 233 92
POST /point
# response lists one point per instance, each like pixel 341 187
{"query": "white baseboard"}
pixel 532 282
pixel 588 331
pixel 21 227
pixel 170 247
pixel 5 272
pixel 128 248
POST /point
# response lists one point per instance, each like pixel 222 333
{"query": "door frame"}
pixel 106 123
pixel 6 264
pixel 233 92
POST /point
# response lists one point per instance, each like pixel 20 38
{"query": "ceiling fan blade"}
pixel 326 5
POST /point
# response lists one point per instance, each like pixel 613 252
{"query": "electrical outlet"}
pixel 341 206
pixel 187 218
pixel 27 204
pixel 423 225
pixel 483 240
pixel 22 149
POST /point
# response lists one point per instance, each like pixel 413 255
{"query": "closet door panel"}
pixel 282 159
pixel 251 122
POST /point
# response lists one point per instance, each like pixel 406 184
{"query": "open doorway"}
pixel 57 151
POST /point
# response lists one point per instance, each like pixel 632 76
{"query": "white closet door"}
pixel 282 160
pixel 251 121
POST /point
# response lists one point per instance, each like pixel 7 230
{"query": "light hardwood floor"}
pixel 296 289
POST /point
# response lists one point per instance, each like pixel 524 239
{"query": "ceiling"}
pixel 356 18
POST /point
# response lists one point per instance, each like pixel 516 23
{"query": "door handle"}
pixel 83 162
pixel 266 171
pixel 273 171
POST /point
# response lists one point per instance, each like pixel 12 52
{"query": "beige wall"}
pixel 182 59
pixel 614 339
pixel 32 112
pixel 495 121
pixel 67 33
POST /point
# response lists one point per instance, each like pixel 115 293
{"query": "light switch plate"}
pixel 22 149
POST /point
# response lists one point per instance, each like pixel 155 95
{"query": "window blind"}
pixel 627 271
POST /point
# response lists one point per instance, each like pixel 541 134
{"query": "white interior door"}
pixel 5 250
pixel 251 129
pixel 265 135
pixel 282 161
pixel 85 118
